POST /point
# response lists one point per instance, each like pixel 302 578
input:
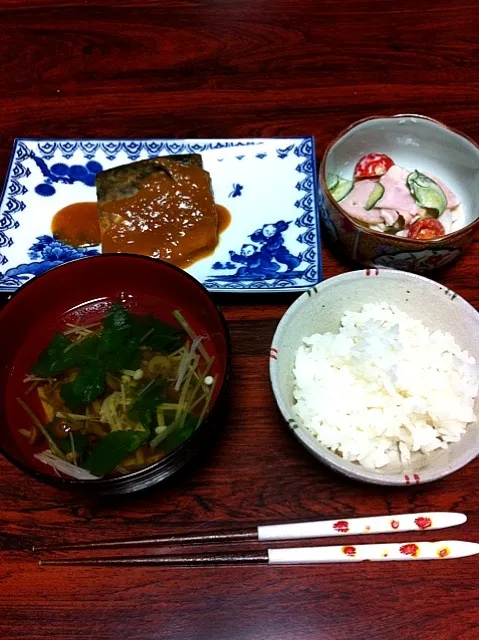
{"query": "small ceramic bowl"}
pixel 413 142
pixel 86 288
pixel 320 309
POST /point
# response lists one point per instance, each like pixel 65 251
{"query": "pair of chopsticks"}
pixel 297 555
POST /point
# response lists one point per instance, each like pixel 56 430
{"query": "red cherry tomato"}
pixel 372 166
pixel 426 229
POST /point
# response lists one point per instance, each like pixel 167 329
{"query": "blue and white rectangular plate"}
pixel 268 185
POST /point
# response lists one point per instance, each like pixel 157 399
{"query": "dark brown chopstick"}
pixel 442 550
pixel 220 537
pixel 199 559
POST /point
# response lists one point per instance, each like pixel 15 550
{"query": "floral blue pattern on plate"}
pixel 268 185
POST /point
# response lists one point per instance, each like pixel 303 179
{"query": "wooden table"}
pixel 171 68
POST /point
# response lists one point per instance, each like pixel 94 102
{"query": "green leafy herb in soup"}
pixel 118 395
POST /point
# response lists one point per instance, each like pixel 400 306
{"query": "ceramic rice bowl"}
pixel 320 309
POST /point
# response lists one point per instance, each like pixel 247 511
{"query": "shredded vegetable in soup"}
pixel 118 395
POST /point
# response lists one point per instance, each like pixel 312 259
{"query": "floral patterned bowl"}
pixel 414 142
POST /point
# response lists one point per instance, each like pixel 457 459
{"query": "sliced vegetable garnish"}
pixel 426 229
pixel 186 326
pixel 376 195
pixel 373 165
pixel 426 192
pixel 63 466
pixel 342 188
pixel 332 180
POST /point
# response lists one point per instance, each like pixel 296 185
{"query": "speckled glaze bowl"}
pixel 320 309
pixel 414 142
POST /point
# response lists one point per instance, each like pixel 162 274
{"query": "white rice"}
pixel 384 389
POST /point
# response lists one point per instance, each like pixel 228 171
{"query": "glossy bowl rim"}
pixel 321 452
pixel 380 234
pixel 130 478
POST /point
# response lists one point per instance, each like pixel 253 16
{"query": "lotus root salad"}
pixel 385 389
pixel 386 197
pixel 118 395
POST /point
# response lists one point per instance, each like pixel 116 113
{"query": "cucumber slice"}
pixel 376 194
pixel 332 180
pixel 426 192
pixel 342 188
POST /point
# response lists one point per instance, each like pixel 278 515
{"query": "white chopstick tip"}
pixel 444 519
pixel 463 548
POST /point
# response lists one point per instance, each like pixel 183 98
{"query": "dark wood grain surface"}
pixel 199 68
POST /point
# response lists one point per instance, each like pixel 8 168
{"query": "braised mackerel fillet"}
pixel 161 207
